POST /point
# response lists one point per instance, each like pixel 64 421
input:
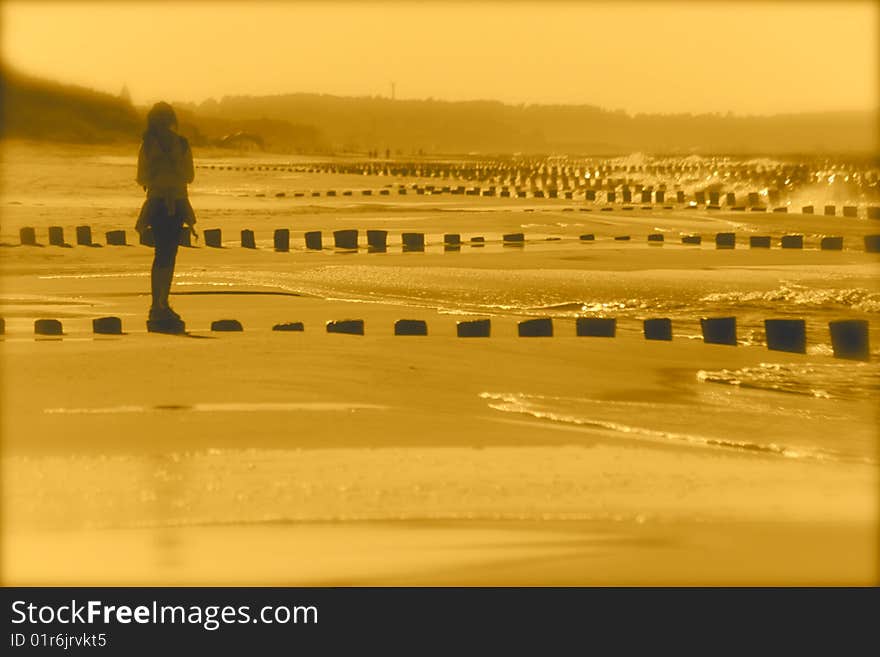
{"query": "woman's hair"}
pixel 161 117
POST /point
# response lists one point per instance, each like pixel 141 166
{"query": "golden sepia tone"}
pixel 440 293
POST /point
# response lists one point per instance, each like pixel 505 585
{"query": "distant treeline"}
pixel 432 126
pixel 312 123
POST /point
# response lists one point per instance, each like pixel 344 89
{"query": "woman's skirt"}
pixel 161 229
pixel 158 213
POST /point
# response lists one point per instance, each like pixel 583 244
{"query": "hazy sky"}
pixel 745 57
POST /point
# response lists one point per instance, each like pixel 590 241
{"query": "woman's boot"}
pixel 167 278
pixel 162 319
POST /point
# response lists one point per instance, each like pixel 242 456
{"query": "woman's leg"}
pixel 167 238
pixel 161 284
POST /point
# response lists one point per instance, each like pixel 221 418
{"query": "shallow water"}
pixel 591 482
pixel 555 293
pixel 853 381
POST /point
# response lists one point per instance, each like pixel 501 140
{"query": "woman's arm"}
pixel 189 173
pixel 143 175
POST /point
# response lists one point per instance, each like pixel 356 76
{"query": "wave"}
pixel 548 408
pixel 858 298
pixel 856 381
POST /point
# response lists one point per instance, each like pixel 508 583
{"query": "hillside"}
pixel 42 110
pixel 49 111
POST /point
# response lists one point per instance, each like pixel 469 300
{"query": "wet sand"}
pixel 294 458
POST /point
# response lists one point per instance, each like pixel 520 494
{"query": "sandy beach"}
pixel 314 458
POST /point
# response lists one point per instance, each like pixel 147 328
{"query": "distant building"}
pixel 243 141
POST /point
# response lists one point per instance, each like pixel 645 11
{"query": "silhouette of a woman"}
pixel 165 168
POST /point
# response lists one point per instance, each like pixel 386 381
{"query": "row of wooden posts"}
pixel 586 172
pixel 849 338
pixel 542 167
pixel 377 240
pixel 712 200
